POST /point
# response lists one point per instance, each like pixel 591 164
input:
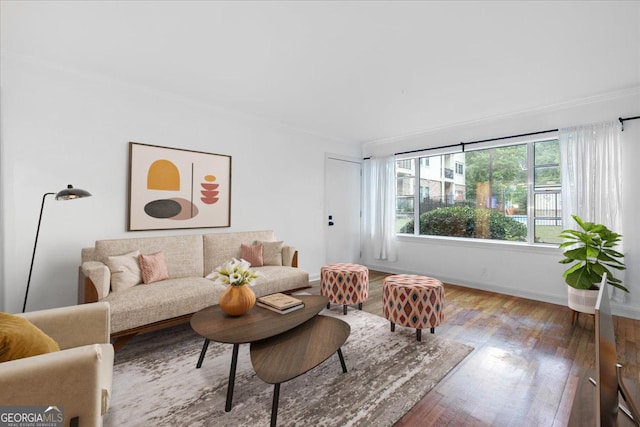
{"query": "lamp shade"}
pixel 71 193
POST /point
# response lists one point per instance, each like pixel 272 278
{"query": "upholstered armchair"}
pixel 78 377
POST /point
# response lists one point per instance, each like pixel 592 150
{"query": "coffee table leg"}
pixel 232 377
pixel 274 405
pixel 344 366
pixel 205 346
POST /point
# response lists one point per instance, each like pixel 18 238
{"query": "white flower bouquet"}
pixel 235 273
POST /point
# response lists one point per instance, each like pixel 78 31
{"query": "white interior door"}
pixel 343 198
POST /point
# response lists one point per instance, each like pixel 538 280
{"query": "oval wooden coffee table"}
pixel 257 324
pixel 290 354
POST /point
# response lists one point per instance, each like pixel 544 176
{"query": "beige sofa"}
pixel 78 377
pixel 188 258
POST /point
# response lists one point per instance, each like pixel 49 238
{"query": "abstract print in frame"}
pixel 172 188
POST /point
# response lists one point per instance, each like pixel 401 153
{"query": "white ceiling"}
pixel 354 71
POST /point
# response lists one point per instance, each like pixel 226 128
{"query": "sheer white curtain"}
pixel 592 178
pixel 591 175
pixel 380 208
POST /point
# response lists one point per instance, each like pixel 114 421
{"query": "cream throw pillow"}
pixel 125 271
pixel 271 253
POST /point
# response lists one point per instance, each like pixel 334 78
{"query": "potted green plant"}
pixel 591 253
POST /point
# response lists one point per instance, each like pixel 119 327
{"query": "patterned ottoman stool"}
pixel 413 301
pixel 344 284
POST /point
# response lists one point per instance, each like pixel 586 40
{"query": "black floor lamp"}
pixel 68 193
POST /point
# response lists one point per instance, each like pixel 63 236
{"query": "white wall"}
pixel 60 128
pixel 524 270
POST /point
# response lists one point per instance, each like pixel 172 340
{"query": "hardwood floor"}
pixel 526 364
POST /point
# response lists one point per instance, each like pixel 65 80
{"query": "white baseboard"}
pixel 618 309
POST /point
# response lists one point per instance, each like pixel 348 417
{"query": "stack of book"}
pixel 280 303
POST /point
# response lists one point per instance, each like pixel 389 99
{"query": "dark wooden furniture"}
pixel 288 355
pixel 583 411
pixel 257 324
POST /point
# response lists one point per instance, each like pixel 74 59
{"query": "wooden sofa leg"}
pixel 120 342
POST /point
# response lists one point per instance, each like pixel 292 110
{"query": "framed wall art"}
pixel 171 188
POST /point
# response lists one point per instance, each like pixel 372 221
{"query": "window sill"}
pixel 545 248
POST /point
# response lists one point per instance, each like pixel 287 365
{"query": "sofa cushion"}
pixel 143 305
pixel 271 252
pixel 279 279
pixel 183 254
pixel 153 267
pixel 125 271
pixel 20 338
pixel 222 247
pixel 252 254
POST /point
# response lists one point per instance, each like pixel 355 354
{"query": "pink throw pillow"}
pixel 252 254
pixel 153 268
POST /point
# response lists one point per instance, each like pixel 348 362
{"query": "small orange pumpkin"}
pixel 237 300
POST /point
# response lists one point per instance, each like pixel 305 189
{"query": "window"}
pixel 546 192
pixel 405 194
pixel 488 196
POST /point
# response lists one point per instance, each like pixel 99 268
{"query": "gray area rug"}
pixel 156 382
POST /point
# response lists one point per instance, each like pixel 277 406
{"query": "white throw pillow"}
pixel 125 271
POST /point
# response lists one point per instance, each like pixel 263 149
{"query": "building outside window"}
pixel 459 168
pixel 483 194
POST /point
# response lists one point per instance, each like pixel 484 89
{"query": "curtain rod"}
pixel 624 119
pixel 463 144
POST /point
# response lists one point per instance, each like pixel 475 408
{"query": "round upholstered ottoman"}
pixel 345 284
pixel 413 301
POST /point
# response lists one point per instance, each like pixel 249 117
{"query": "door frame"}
pixel 343 158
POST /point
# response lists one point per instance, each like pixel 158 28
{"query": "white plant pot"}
pixel 582 300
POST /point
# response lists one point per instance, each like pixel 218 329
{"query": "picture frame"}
pixel 173 188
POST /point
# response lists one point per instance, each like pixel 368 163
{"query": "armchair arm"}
pixel 99 276
pixel 79 379
pixel 75 325
pixel 289 256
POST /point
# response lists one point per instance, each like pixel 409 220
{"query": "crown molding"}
pixel 593 99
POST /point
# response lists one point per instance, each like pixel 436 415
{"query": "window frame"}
pixel 530 184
